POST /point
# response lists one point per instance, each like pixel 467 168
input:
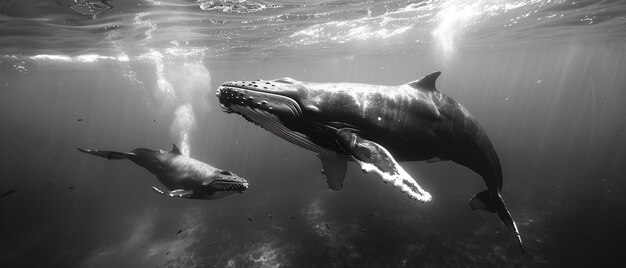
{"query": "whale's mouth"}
pixel 228 182
pixel 229 186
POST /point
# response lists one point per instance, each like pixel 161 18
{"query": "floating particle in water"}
pixel 270 216
pixel 327 226
pixel 179 231
pixel 79 120
pixel 21 67
pixel 249 219
pixel 9 192
pixel 71 187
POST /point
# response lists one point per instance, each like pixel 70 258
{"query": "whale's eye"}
pixel 226 172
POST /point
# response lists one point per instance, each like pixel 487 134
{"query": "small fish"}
pixel 9 192
pixel 179 231
pixel 327 227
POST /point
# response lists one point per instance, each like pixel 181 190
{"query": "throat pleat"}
pixel 271 123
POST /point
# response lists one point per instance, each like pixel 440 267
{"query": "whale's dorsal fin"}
pixel 426 82
pixel 175 149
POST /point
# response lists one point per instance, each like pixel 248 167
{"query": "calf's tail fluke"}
pixel 493 202
pixel 107 154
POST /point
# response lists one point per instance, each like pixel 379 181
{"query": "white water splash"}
pixel 182 82
pixel 453 20
pixel 184 122
pixel 192 82
pixel 85 58
pixel 165 87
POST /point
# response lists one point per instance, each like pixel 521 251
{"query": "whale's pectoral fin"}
pixel 373 157
pixel 334 169
pixel 158 191
pixel 175 193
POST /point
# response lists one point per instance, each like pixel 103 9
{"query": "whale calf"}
pixel 375 126
pixel 183 176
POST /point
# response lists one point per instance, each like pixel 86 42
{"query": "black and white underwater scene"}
pixel 327 133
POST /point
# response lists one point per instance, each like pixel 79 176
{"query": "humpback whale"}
pixel 375 126
pixel 183 176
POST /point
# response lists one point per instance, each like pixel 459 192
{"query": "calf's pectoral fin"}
pixel 175 193
pixel 373 157
pixel 334 169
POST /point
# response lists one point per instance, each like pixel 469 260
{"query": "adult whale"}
pixel 369 124
pixel 183 176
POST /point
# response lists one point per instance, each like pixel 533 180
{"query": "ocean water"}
pixel 546 80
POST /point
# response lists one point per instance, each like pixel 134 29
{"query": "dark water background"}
pixel 554 106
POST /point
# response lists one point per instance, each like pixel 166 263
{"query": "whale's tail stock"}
pixel 492 202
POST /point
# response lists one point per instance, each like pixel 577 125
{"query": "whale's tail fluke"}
pixel 493 202
pixel 107 154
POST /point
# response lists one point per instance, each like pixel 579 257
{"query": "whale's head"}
pixel 257 100
pixel 224 184
pixel 288 108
